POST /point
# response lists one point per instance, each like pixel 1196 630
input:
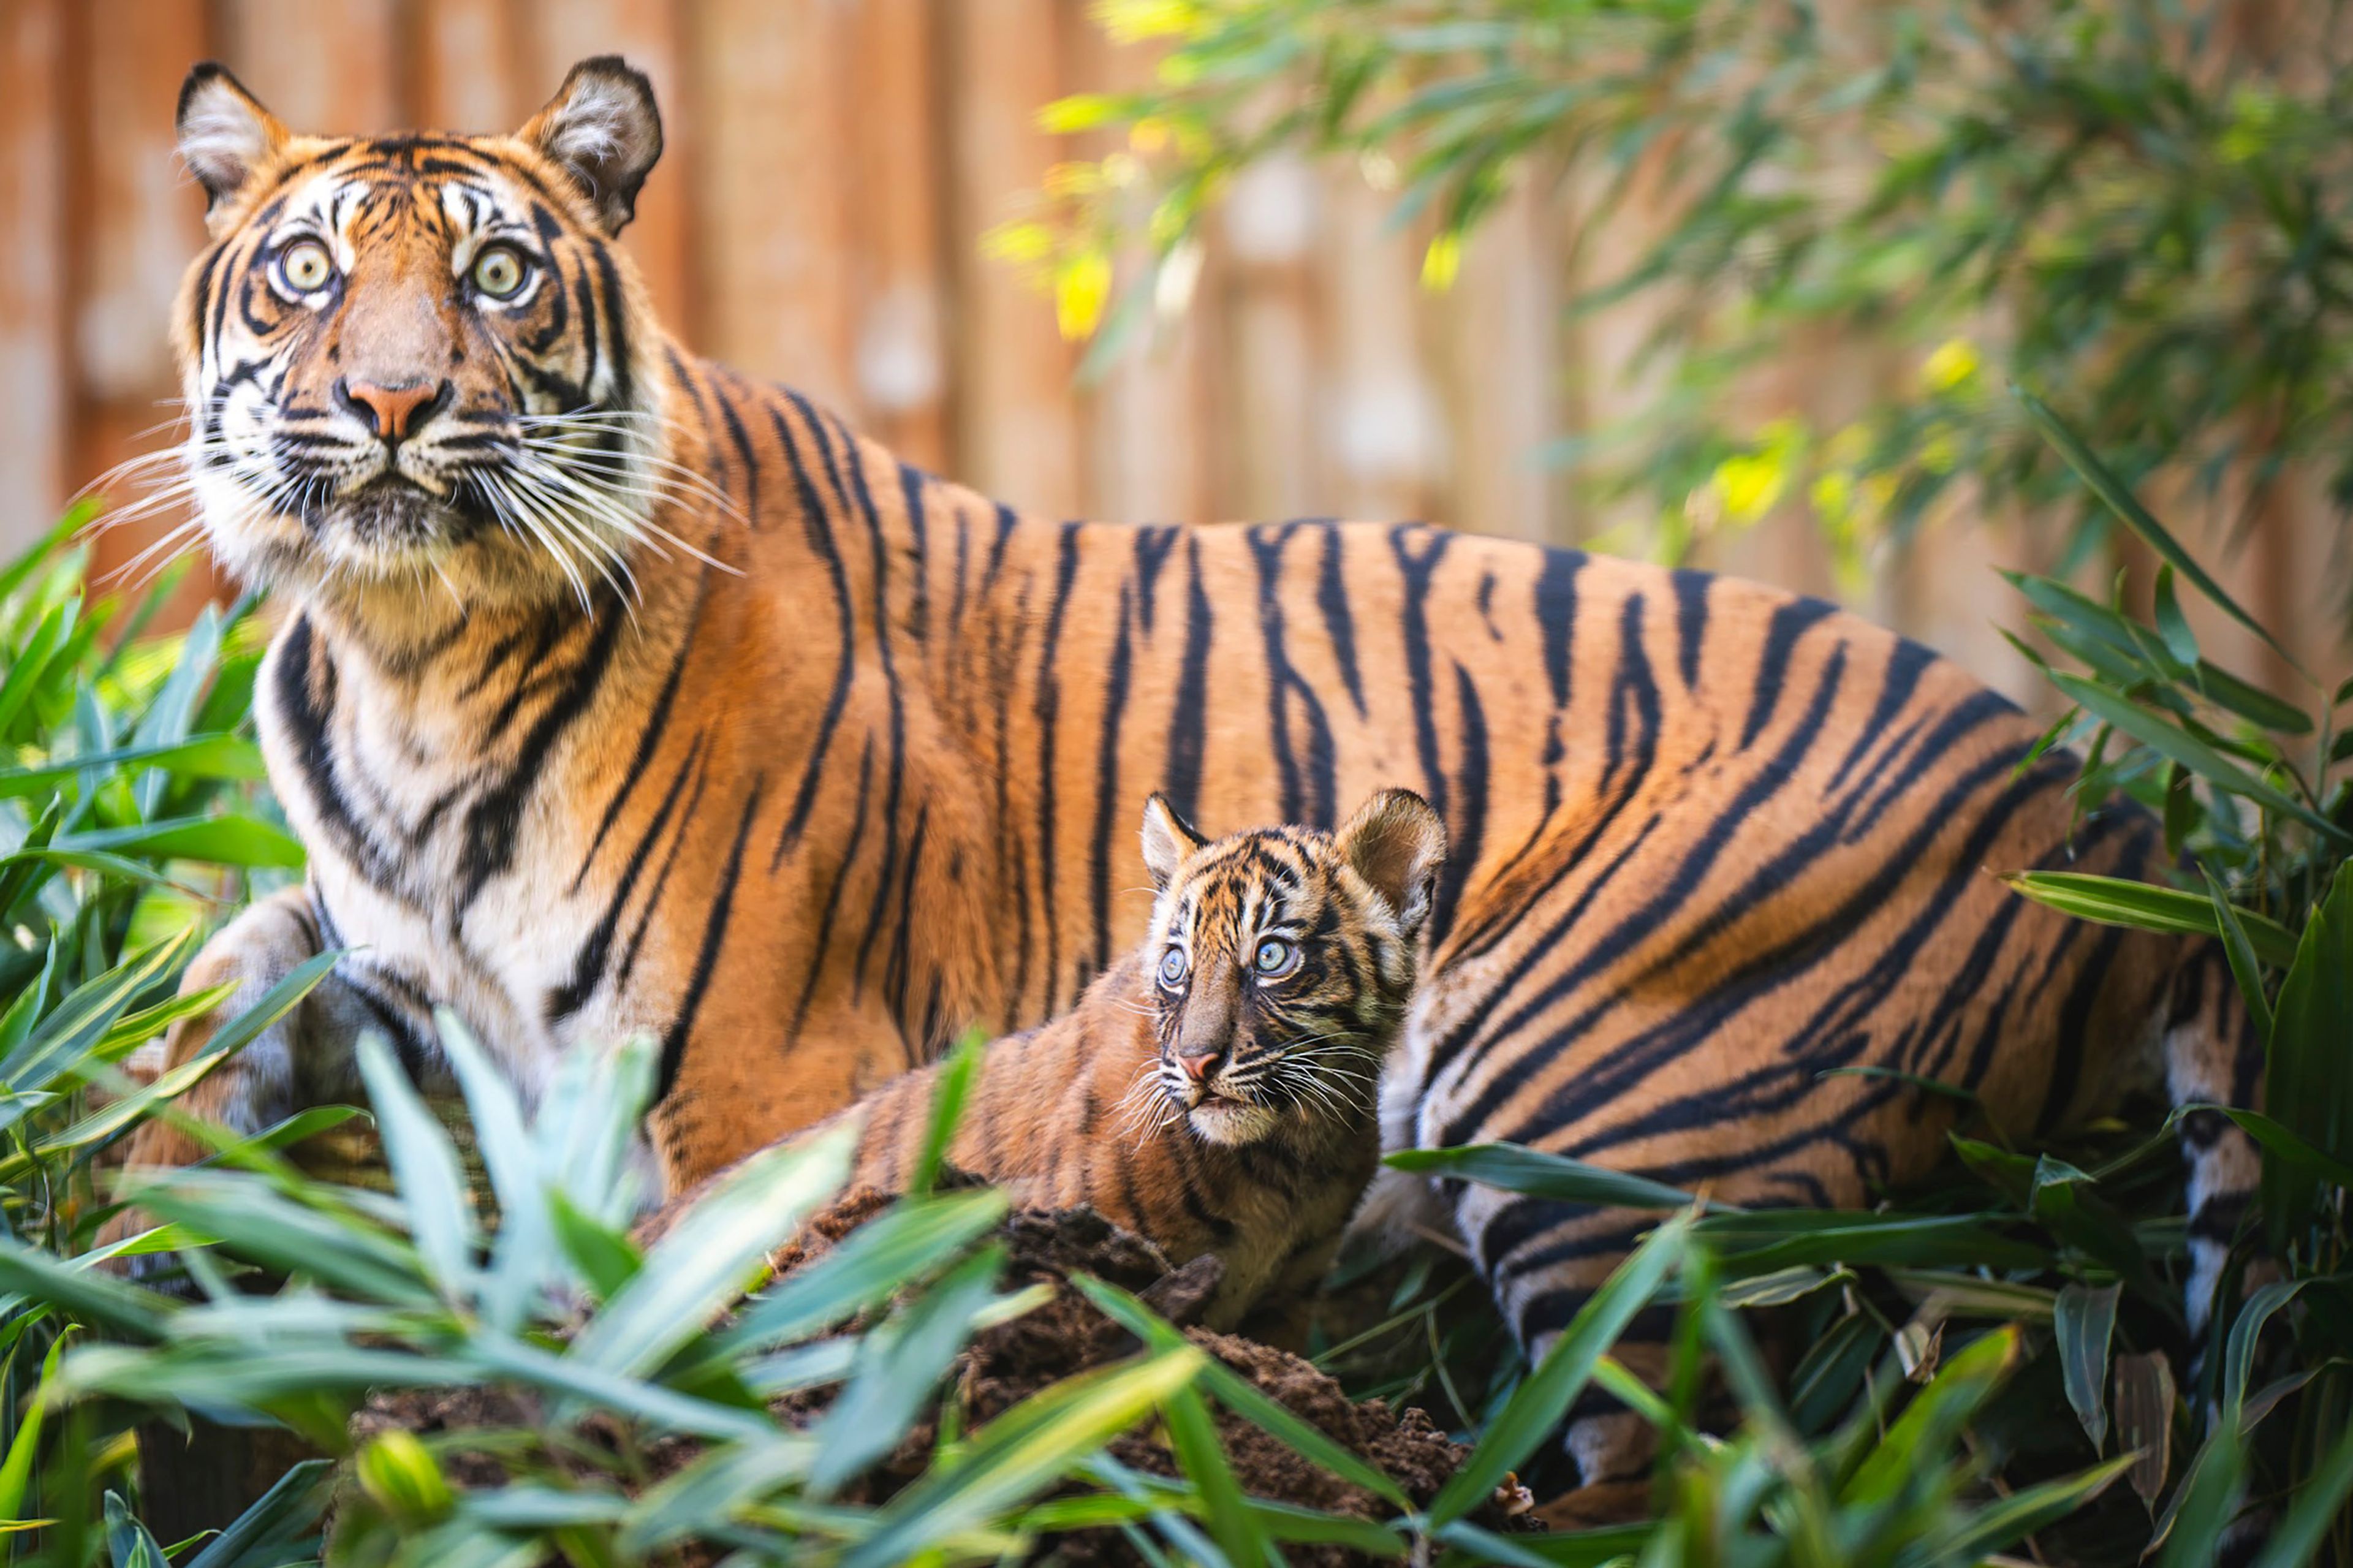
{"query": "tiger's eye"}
pixel 1275 956
pixel 306 267
pixel 1172 967
pixel 500 271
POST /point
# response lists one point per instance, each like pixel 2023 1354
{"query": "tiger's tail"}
pixel 2213 1056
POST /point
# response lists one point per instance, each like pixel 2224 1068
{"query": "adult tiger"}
pixel 616 692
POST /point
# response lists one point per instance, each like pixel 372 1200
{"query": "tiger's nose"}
pixel 392 411
pixel 1197 1068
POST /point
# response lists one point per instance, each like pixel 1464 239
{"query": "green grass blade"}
pixel 2120 500
pixel 1536 1408
pixel 956 1076
pixel 897 1367
pixel 2168 739
pixel 697 1267
pixel 1539 1174
pixel 2296 1539
pixel 1023 1452
pixel 902 1246
pixel 425 1166
pixel 2120 901
pixel 1193 1439
pixel 1240 1396
pixel 2084 1319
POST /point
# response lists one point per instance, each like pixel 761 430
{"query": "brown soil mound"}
pixel 1066 1335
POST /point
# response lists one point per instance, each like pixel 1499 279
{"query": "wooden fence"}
pixel 831 166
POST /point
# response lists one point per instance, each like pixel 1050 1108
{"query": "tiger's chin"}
pixel 1231 1122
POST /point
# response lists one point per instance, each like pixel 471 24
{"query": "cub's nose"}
pixel 393 413
pixel 1197 1068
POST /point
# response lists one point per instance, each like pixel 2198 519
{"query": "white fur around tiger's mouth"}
pixel 1220 1119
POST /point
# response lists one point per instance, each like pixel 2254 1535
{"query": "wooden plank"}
pixel 1146 462
pixel 1271 227
pixel 133 221
pixel 466 63
pixel 1016 430
pixel 327 69
pixel 1502 346
pixel 772 213
pixel 649 35
pixel 34 370
pixel 901 350
pixel 1383 436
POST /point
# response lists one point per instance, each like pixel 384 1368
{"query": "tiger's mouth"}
pixel 1222 1119
pixel 393 516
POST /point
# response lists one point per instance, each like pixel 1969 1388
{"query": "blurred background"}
pixel 1541 337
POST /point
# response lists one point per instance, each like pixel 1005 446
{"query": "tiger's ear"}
pixel 224 133
pixel 1396 844
pixel 602 129
pixel 1168 839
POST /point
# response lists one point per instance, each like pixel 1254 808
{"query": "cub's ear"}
pixel 224 133
pixel 602 129
pixel 1397 843
pixel 1168 839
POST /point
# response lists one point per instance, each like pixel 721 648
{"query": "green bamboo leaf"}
pixel 902 1247
pixel 1536 1407
pixel 265 1536
pixel 955 1078
pixel 2206 1503
pixel 228 757
pixel 2239 948
pixel 127 1541
pixel 17 1469
pixel 2171 623
pixel 2309 1076
pixel 2168 739
pixel 1539 1174
pixel 1193 1439
pixel 1021 1453
pixel 63 1041
pixel 2298 1538
pixel 425 1166
pixel 1935 1417
pixel 524 1252
pixel 2128 509
pixel 897 1367
pixel 2120 901
pixel 701 1264
pixel 2085 1318
pixel 712 1491
pixel 2001 1524
pixel 232 838
pixel 2239 1349
pixel 1240 1396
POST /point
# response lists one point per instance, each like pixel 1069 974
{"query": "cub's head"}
pixel 415 357
pixel 1280 961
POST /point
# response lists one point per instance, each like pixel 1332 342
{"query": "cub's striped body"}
pixel 1213 1089
pixel 806 779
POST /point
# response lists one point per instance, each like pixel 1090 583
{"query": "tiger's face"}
pixel 1282 961
pixel 421 357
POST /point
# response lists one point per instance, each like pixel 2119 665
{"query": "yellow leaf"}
pixel 1082 289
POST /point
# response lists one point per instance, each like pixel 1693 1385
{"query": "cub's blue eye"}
pixel 1276 956
pixel 1172 967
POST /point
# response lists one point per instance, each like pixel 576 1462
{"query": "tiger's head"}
pixel 422 357
pixel 1280 962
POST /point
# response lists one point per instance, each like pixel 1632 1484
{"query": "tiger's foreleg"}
pixel 305 1057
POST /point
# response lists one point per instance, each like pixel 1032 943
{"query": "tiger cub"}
pixel 1217 1088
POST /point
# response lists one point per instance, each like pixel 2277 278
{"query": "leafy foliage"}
pixel 2140 201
